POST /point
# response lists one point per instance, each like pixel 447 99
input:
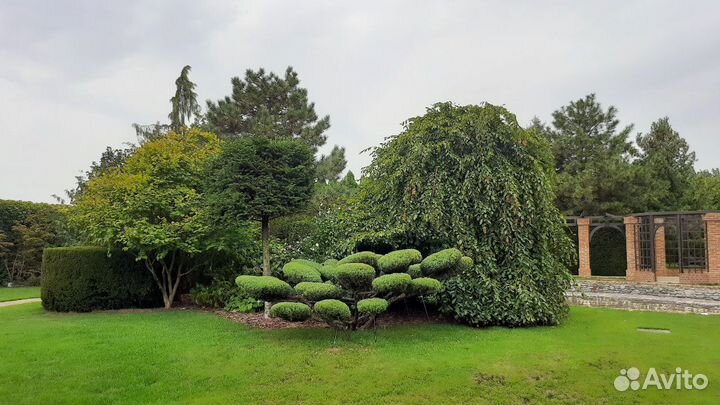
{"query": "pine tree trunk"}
pixel 266 255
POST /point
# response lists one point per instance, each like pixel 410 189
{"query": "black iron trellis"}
pixel 685 241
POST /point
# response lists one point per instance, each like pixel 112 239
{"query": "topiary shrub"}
pixel 425 286
pixel 372 306
pixel 332 311
pixel 291 311
pixel 355 276
pixel 399 260
pixel 266 288
pixel 297 272
pixel 441 262
pixel 414 270
pixel 318 291
pixel 328 272
pixel 83 279
pixel 330 262
pixel 315 265
pixel 395 283
pixel 369 258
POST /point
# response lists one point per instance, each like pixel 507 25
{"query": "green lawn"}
pixel 18 293
pixel 197 358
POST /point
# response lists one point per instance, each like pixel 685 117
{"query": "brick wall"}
pixel 583 225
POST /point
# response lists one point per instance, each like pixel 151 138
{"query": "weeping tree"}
pixel 256 178
pixel 184 102
pixel 471 177
pixel 351 293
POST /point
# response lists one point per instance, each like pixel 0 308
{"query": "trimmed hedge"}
pixel 266 288
pixel 298 271
pixel 355 276
pixel 372 306
pixel 441 262
pixel 425 286
pixel 395 283
pixel 85 278
pixel 466 263
pixel 291 311
pixel 318 291
pixel 329 272
pixel 414 271
pixel 399 260
pixel 332 310
pixel 370 258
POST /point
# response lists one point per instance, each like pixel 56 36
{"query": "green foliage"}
pixel 111 158
pixel 472 178
pixel 83 279
pixel 184 102
pixel 414 270
pixel 318 291
pixel 465 263
pixel 291 311
pixel 25 230
pixel 266 288
pixel 399 260
pixel 315 265
pixel 330 262
pixel 244 305
pixel 332 311
pixel 441 262
pixel 355 276
pixel 296 272
pixel 329 272
pixel 256 178
pixel 153 207
pixel 269 106
pixel 216 295
pixel 704 192
pixel 372 306
pixel 396 283
pixel 369 258
pixel 425 286
pixel 331 166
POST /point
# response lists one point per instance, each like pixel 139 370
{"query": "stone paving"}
pixel 18 302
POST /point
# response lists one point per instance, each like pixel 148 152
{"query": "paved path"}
pixel 18 302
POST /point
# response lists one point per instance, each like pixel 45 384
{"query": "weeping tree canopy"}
pixel 471 177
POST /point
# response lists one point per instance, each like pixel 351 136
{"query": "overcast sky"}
pixel 74 75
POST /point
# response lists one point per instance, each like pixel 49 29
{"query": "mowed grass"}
pixel 187 357
pixel 18 293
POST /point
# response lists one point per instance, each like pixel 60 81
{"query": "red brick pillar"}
pixel 712 223
pixel 630 246
pixel 583 225
pixel 660 265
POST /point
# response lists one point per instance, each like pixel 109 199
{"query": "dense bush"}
pixel 297 272
pixel 370 258
pixel 372 306
pixel 355 276
pixel 87 278
pixel 332 311
pixel 441 262
pixel 398 261
pixel 329 271
pixel 318 291
pixel 395 283
pixel 425 286
pixel 266 288
pixel 414 270
pixel 224 294
pixel 471 177
pixel 291 311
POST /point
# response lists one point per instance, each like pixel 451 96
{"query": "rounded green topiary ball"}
pixel 318 291
pixel 298 271
pixel 366 257
pixel 441 262
pixel 355 276
pixel 332 310
pixel 399 260
pixel 266 288
pixel 414 270
pixel 372 306
pixel 466 263
pixel 395 283
pixel 291 311
pixel 329 272
pixel 425 286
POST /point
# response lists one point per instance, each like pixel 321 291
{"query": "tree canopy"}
pixel 264 104
pixel 184 102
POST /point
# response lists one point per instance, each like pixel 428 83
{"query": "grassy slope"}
pixel 195 358
pixel 19 293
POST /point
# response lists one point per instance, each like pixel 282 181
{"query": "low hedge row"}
pixel 84 279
